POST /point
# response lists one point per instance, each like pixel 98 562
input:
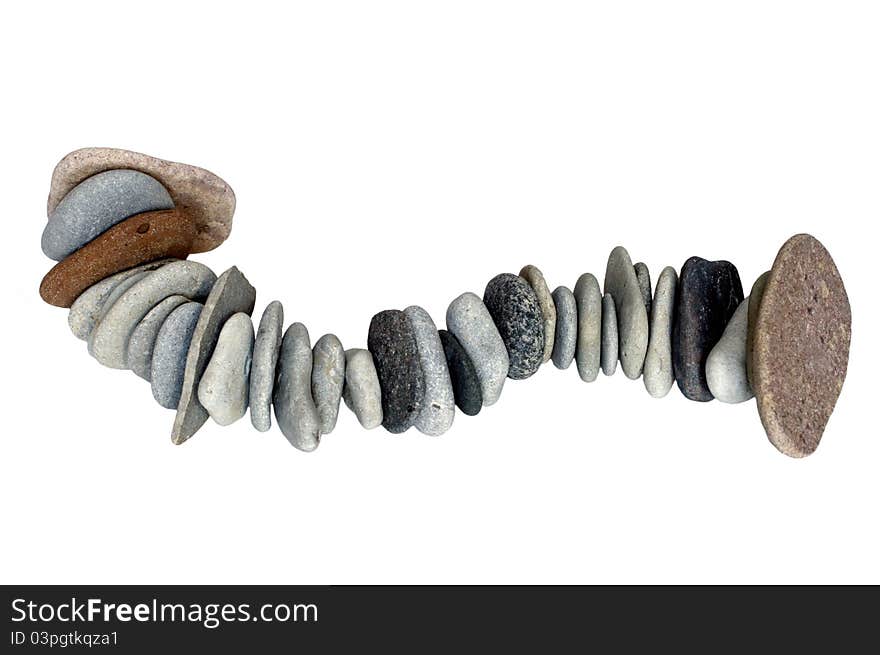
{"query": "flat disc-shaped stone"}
pixel 588 354
pixel 469 320
pixel 514 308
pixel 438 407
pixel 362 393
pixel 223 389
pixel 266 348
pixel 755 297
pixel 465 381
pixel 535 278
pixel 169 354
pixel 632 319
pixel 610 343
pixel 328 378
pixel 565 342
pixel 657 374
pixel 801 345
pixel 295 410
pixel 139 354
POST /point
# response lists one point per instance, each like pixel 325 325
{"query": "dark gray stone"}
pixel 515 310
pixel 465 381
pixel 644 278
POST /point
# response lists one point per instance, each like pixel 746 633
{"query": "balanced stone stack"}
pixel 122 225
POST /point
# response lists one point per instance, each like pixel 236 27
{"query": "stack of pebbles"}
pixel 122 224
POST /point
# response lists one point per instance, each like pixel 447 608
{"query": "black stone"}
pixel 708 294
pixel 465 383
pixel 392 343
pixel 514 308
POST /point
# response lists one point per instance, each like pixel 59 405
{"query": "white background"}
pixel 386 154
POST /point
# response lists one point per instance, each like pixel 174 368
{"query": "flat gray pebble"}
pixel 169 353
pixel 535 278
pixel 266 349
pixel 139 354
pixel 632 319
pixel 609 335
pixel 726 365
pixel 362 393
pixel 328 378
pixel 114 296
pixel 565 341
pixel 644 278
pixel 438 406
pixel 588 353
pixel 223 389
pixel 295 409
pixel 658 374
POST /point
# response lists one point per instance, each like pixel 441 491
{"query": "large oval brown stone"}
pixel 137 240
pixel 801 345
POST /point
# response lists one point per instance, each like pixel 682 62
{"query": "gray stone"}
pixel 438 406
pixel 169 354
pixel 644 278
pixel 514 308
pixel 469 320
pixel 658 374
pixel 465 381
pixel 726 364
pixel 632 319
pixel 109 340
pixel 392 343
pixel 609 335
pixel 756 295
pixel 115 295
pixel 295 409
pixel 231 294
pixel 328 378
pixel 362 393
pixel 139 353
pixel 565 342
pixel 98 203
pixel 588 353
pixel 535 278
pixel 223 389
pixel 266 349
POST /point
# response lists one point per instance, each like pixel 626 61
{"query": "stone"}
pixel 463 375
pixel 392 342
pixel 109 340
pixel 90 304
pixel 755 296
pixel 266 349
pixel 438 406
pixel 643 276
pixel 295 409
pixel 565 342
pixel 469 320
pixel 632 319
pixel 232 293
pixel 588 354
pixel 726 364
pixel 535 278
pixel 139 354
pixel 223 389
pixel 362 393
pixel 708 294
pixel 514 308
pixel 97 204
pixel 201 194
pixel 658 372
pixel 137 240
pixel 328 378
pixel 801 345
pixel 115 295
pixel 169 354
pixel 609 353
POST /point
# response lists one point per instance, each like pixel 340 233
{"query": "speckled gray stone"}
pixel 565 342
pixel 609 335
pixel 632 319
pixel 514 308
pixel 114 296
pixel 588 354
pixel 361 392
pixel 223 389
pixel 535 278
pixel 328 378
pixel 469 320
pixel 644 278
pixel 266 349
pixel 658 374
pixel 98 203
pixel 465 381
pixel 231 293
pixel 139 353
pixel 726 364
pixel 392 343
pixel 438 406
pixel 295 409
pixel 169 353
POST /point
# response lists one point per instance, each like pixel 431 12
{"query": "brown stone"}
pixel 206 197
pixel 801 345
pixel 137 240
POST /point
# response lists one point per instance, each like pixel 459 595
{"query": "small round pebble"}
pixel 438 407
pixel 223 389
pixel 169 354
pixel 535 278
pixel 139 354
pixel 588 354
pixel 465 381
pixel 266 348
pixel 328 378
pixel 726 364
pixel 514 308
pixel 565 343
pixel 658 375
pixel 362 393
pixel 609 335
pixel 295 409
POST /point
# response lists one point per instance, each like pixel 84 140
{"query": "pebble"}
pixel 726 363
pixel 169 354
pixel 644 278
pixel 392 342
pixel 328 378
pixel 117 293
pixel 465 381
pixel 514 308
pixel 535 278
pixel 588 354
pixel 801 345
pixel 708 294
pixel 266 349
pixel 232 293
pixel 658 373
pixel 609 335
pixel 469 320
pixel 362 393
pixel 135 241
pixel 109 340
pixel 755 296
pixel 223 389
pixel 139 354
pixel 204 196
pixel 632 319
pixel 438 406
pixel 98 203
pixel 295 409
pixel 566 327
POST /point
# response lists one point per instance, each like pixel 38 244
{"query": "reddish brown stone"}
pixel 801 345
pixel 135 241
